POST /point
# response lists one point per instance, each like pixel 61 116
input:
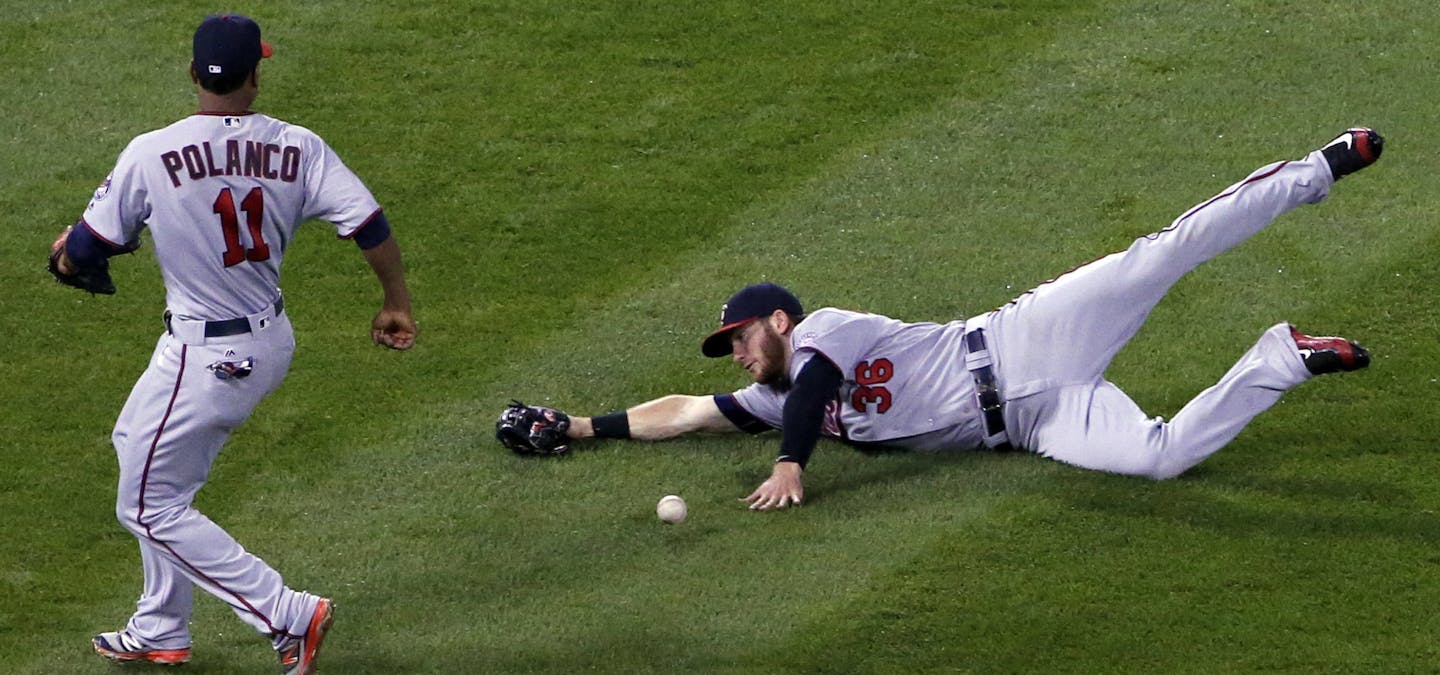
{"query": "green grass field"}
pixel 578 187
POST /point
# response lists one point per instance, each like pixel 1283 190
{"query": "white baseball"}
pixel 671 509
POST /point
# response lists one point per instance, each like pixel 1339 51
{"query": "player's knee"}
pixel 1163 472
pixel 1166 467
pixel 150 519
pixel 128 513
pixel 1147 463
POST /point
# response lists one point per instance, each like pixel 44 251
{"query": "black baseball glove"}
pixel 533 430
pixel 95 279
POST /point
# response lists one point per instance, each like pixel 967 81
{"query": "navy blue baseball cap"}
pixel 228 46
pixel 752 302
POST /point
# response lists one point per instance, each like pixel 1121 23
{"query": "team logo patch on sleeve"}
pixel 104 188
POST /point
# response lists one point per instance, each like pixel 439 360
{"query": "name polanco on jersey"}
pixel 242 158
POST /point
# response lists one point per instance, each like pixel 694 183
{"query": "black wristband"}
pixel 613 425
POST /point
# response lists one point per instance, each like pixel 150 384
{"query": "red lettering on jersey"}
pixel 253 205
pixel 830 426
pixel 172 163
pixel 870 375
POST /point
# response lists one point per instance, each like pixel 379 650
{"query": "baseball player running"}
pixel 222 193
pixel 1027 375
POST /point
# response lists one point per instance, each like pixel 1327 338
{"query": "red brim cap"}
pixel 266 51
pixel 718 343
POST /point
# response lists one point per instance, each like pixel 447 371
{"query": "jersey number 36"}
pixel 870 375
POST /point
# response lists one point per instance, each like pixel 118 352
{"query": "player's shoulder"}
pixel 835 312
pixel 834 316
pixel 826 328
pixel 292 133
pixel 202 127
pixel 160 136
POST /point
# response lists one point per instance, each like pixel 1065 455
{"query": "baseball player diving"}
pixel 222 193
pixel 1028 375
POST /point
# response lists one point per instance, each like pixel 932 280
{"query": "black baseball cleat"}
pixel 1352 151
pixel 1324 355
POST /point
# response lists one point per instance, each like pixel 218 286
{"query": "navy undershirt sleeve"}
pixel 86 250
pixel 804 416
pixel 738 415
pixel 373 233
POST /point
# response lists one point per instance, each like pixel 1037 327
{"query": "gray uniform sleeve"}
pixel 843 337
pixel 333 193
pixel 755 408
pixel 120 206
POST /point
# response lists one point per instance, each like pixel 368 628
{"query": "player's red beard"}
pixel 772 364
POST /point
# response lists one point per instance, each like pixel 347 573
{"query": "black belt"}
pixel 987 392
pixel 228 327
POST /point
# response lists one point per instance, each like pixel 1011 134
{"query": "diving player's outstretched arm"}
pixel 665 417
pixel 537 430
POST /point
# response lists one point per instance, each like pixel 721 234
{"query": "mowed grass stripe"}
pixel 683 346
pixel 448 541
pixel 297 427
pixel 604 354
pixel 992 609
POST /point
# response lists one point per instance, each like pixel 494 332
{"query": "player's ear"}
pixel 194 79
pixel 780 321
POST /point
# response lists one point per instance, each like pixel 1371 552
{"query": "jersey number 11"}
pixel 254 207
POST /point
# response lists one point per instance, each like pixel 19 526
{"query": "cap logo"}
pixel 215 70
pixel 724 308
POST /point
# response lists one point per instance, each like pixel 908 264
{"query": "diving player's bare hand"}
pixel 781 490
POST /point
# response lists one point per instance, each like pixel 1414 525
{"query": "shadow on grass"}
pixel 1252 505
pixel 866 470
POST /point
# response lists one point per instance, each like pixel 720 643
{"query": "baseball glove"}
pixel 95 279
pixel 533 430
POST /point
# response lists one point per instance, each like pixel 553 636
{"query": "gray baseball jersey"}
pixel 905 383
pixel 222 196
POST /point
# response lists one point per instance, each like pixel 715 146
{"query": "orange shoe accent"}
pixel 299 657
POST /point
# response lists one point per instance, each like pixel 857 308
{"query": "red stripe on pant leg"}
pixel 1223 195
pixel 145 480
